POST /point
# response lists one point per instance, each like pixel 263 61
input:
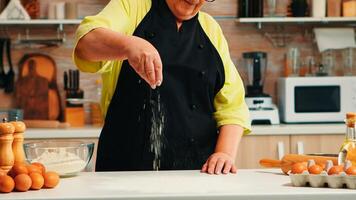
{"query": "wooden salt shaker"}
pixel 17 145
pixel 6 138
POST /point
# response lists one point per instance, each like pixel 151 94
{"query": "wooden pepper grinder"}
pixel 17 145
pixel 6 138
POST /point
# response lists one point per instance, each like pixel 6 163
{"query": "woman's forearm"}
pixel 103 44
pixel 229 139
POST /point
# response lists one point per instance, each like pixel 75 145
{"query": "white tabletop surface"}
pixel 283 129
pixel 246 184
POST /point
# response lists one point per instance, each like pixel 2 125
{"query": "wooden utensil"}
pixel 10 76
pixel 288 160
pixel 32 94
pixel 6 138
pixel 2 70
pixel 46 68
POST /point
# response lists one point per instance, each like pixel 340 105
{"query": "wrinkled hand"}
pixel 219 163
pixel 145 60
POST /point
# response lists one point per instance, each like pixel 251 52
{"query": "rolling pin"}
pixel 288 160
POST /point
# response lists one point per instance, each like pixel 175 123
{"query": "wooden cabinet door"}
pixel 309 144
pixel 91 166
pixel 253 148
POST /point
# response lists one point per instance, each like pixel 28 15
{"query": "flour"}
pixel 61 161
pixel 157 126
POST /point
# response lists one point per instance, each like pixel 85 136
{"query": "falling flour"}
pixel 157 126
pixel 61 161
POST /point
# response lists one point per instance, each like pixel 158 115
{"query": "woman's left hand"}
pixel 218 163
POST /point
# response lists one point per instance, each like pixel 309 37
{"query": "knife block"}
pixel 75 116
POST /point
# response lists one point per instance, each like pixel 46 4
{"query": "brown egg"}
pixel 299 168
pixel 18 168
pixel 23 182
pixel 7 184
pixel 351 170
pixel 40 166
pixel 33 168
pixel 51 179
pixel 2 172
pixel 37 181
pixel 315 169
pixel 335 170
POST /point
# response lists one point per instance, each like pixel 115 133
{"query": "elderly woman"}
pixel 141 46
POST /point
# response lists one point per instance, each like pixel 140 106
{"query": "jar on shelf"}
pixel 318 8
pixel 299 8
pixel 32 7
pixel 250 8
pixel 334 8
pixel 349 8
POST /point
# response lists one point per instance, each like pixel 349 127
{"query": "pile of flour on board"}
pixel 61 161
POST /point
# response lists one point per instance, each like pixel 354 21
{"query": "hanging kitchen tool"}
pixel 10 76
pixel 32 94
pixel 2 70
pixel 46 68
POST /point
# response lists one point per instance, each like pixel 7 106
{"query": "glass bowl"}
pixel 67 158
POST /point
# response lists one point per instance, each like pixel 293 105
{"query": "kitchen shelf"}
pixel 58 22
pixel 298 20
pixel 279 38
pixel 41 22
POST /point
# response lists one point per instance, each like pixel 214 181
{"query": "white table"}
pixel 247 184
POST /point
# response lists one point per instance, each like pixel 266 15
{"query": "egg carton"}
pixel 341 180
pixel 323 180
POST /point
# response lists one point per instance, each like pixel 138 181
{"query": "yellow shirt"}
pixel 124 16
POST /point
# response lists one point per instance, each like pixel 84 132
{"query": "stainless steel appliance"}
pixel 316 99
pixel 262 110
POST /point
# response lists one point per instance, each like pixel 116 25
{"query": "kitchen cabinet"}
pixel 254 147
pixel 91 166
pixel 307 144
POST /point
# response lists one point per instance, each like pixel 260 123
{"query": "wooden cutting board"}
pixel 45 68
pixel 32 94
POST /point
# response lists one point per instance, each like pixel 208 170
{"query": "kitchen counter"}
pixel 283 129
pixel 246 184
pixel 49 133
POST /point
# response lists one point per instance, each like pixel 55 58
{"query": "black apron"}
pixel 193 73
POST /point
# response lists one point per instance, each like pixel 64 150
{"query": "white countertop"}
pixel 246 184
pixel 283 129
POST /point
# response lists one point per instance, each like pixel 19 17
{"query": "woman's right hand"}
pixel 145 60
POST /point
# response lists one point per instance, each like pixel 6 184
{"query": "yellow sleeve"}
pixel 229 103
pixel 118 15
pixel 121 16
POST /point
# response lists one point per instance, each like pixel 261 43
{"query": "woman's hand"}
pixel 218 163
pixel 145 60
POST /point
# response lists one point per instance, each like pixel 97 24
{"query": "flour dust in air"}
pixel 157 127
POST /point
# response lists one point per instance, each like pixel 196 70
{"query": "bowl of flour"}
pixel 67 158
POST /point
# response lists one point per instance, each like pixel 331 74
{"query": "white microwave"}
pixel 316 99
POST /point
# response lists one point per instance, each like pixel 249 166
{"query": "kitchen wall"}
pixel 241 38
